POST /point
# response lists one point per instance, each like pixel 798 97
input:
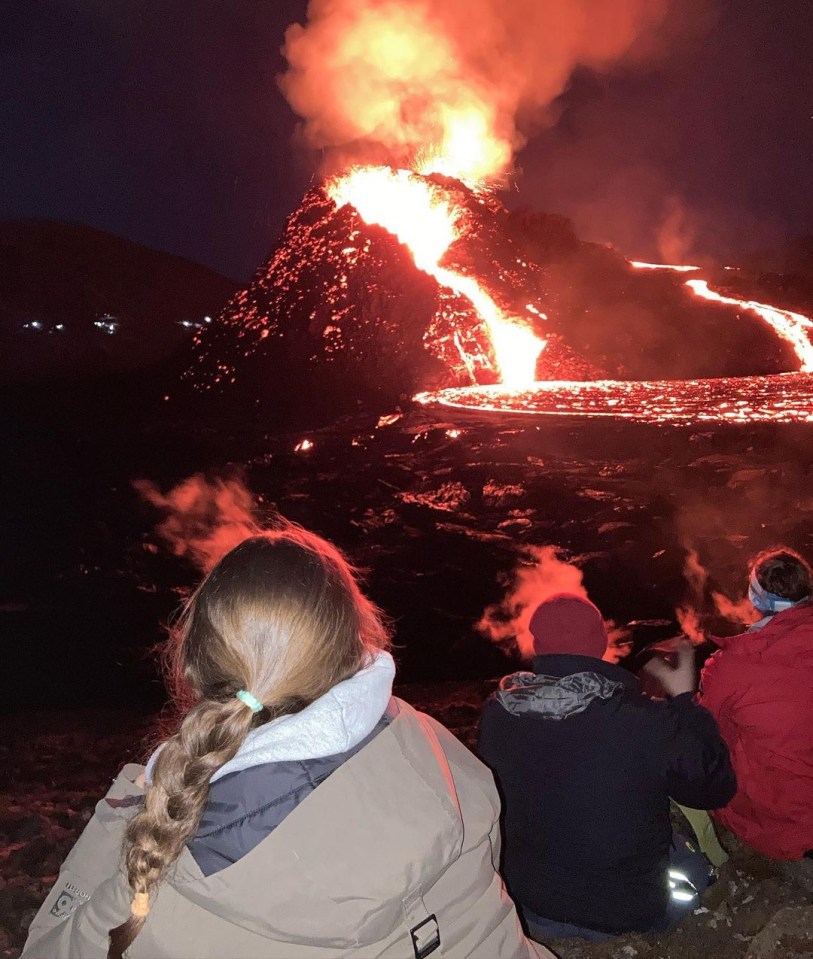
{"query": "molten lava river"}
pixel 783 398
pixel 424 218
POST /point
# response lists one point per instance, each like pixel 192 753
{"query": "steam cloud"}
pixel 689 614
pixel 450 86
pixel 540 574
pixel 203 519
pixel 739 611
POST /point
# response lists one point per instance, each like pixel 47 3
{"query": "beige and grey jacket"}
pixel 394 855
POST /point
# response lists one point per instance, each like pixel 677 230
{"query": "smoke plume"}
pixel 203 519
pixel 540 574
pixel 676 233
pixel 689 614
pixel 447 86
pixel 739 611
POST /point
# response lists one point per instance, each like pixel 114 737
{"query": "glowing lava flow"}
pixel 423 217
pixel 789 326
pixel 782 398
pixel 640 265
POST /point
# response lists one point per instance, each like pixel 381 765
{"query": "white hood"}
pixel 332 724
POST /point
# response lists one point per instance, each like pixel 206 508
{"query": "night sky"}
pixel 161 121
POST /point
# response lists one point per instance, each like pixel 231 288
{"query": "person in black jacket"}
pixel 586 765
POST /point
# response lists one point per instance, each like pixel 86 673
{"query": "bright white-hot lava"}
pixel 677 268
pixel 424 217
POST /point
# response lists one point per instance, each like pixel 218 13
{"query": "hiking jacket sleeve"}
pixel 721 688
pixel 698 768
pixel 63 927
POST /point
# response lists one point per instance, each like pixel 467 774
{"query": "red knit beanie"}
pixel 567 623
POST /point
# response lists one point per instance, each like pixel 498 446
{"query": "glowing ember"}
pixel 425 219
pixel 388 420
pixel 784 398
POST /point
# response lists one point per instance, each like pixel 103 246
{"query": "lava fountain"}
pixel 425 218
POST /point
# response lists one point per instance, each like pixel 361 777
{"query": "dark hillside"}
pixel 77 301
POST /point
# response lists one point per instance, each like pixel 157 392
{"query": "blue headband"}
pixel 767 602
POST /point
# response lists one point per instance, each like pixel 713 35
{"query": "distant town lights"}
pixel 39 326
pixel 107 325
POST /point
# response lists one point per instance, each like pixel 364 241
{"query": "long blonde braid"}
pixel 281 615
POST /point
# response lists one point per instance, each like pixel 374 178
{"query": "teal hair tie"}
pixel 251 701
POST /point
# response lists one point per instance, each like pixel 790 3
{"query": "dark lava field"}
pixel 438 507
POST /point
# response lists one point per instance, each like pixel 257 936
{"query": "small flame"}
pixel 425 219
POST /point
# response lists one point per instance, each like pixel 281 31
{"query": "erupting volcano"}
pixel 390 283
pixel 404 276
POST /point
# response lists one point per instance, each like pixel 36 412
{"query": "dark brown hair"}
pixel 784 573
pixel 280 616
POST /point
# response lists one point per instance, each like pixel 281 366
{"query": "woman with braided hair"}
pixel 299 810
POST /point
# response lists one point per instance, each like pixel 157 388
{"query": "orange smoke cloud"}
pixel 540 574
pixel 203 520
pixel 689 614
pixel 735 611
pixel 446 86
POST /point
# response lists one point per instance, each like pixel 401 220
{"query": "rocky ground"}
pixel 55 766
pixel 439 507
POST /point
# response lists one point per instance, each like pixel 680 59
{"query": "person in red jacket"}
pixel 759 688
